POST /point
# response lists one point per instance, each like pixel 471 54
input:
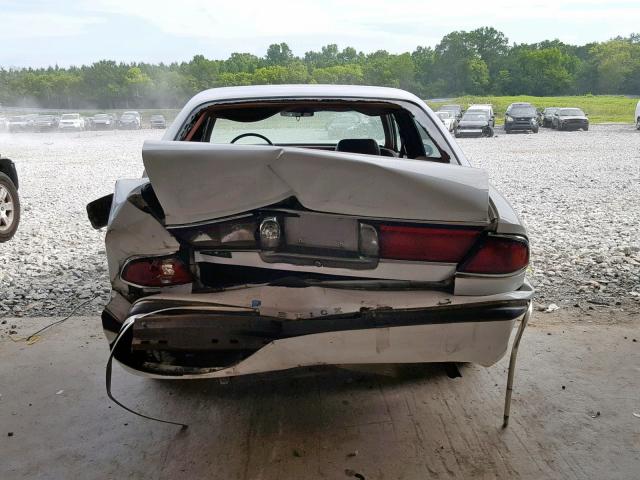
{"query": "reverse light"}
pixel 428 244
pixel 368 243
pixel 499 255
pixel 156 272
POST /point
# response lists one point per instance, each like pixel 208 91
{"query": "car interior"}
pixel 369 128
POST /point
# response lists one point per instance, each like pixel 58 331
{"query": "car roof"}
pixel 302 91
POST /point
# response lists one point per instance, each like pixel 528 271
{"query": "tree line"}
pixel 478 62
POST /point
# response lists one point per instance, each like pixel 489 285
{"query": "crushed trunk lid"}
pixel 195 182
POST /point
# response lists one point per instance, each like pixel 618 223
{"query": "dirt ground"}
pixel 577 389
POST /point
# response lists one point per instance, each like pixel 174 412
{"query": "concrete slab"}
pixel 327 423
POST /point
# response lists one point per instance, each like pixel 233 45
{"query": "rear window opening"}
pixel 382 129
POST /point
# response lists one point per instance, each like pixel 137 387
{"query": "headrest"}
pixel 358 145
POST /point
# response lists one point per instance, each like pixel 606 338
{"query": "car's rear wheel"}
pixel 9 208
pixel 638 123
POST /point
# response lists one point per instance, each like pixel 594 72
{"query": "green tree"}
pixel 279 54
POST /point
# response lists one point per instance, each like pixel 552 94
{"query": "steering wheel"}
pixel 249 134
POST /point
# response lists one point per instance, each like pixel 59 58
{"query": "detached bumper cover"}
pixel 471 331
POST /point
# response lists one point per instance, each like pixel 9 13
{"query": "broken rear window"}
pixel 300 128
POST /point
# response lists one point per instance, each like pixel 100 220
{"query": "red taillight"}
pixel 156 272
pixel 426 243
pixel 499 255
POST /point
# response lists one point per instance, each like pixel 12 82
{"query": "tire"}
pixel 535 130
pixel 586 128
pixel 9 218
pixel 638 123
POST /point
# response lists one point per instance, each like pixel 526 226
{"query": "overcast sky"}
pixel 70 32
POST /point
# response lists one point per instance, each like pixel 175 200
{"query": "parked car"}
pixel 547 116
pixel 158 121
pixel 71 121
pixel 448 119
pixel 230 259
pixel 486 108
pixel 130 121
pixel 455 109
pixel 570 118
pixel 475 124
pixel 521 117
pixel 44 123
pixel 638 115
pixel 21 123
pixel 103 121
pixel 9 199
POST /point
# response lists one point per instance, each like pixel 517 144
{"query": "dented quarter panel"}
pixel 132 233
pixel 508 220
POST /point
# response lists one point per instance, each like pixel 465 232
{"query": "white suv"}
pixel 637 118
pixel 71 121
pixel 488 109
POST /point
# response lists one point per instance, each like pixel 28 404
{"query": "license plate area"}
pixel 321 233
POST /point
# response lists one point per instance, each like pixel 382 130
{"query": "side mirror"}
pixel 586 114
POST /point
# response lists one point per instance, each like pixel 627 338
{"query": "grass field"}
pixel 601 108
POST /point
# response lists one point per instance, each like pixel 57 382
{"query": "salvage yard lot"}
pixel 601 108
pixel 578 193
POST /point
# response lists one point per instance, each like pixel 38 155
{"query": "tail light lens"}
pixel 156 272
pixel 426 243
pixel 499 255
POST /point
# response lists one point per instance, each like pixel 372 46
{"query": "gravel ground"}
pixel 578 193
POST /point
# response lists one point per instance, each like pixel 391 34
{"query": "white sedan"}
pixel 255 244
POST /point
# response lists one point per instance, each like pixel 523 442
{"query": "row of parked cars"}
pixel 479 120
pixel 130 120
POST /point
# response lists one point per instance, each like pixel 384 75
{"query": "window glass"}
pixel 323 127
pixel 430 149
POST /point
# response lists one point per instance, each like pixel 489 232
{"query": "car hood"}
pixel 195 182
pixel 573 117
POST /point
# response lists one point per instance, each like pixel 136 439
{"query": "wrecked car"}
pixel 254 244
pixel 570 119
pixel 474 124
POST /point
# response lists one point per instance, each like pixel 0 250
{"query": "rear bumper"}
pixel 471 329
